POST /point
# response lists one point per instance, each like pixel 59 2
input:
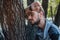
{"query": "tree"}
pixel 29 2
pixel 12 19
pixel 45 6
pixel 57 17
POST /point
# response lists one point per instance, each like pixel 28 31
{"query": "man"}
pixel 46 29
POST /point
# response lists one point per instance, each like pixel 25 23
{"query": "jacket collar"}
pixel 47 26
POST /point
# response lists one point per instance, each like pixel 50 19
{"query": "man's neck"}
pixel 42 24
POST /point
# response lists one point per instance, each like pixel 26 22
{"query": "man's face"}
pixel 32 16
pixel 33 13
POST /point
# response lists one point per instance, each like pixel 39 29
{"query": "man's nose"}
pixel 29 17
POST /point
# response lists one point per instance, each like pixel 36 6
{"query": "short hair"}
pixel 38 3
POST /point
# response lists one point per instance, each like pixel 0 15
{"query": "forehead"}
pixel 28 11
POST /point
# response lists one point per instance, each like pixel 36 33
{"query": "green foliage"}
pixel 54 4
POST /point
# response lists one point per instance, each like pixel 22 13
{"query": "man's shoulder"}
pixel 54 29
pixel 53 32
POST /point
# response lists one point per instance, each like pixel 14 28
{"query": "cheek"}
pixel 35 18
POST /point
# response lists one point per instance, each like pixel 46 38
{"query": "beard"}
pixel 35 23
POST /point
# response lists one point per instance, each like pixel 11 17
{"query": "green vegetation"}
pixel 54 5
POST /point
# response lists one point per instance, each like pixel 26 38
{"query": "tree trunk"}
pixel 12 19
pixel 57 17
pixel 29 2
pixel 51 12
pixel 45 6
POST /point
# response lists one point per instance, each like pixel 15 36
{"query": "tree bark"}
pixel 12 19
pixel 57 17
pixel 45 6
pixel 29 2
